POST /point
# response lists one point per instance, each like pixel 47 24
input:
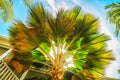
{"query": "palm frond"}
pixel 28 2
pixel 6 13
pixel 113 15
pixel 19 37
pixel 37 15
pixel 113 5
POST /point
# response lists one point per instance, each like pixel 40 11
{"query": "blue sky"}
pixel 95 7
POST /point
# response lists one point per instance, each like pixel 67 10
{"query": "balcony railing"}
pixel 6 73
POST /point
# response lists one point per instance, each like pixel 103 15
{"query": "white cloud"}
pixel 52 4
pixel 112 70
pixel 63 4
pixel 76 2
pixel 57 5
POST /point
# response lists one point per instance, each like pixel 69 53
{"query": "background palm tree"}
pixel 113 15
pixel 7 11
pixel 67 44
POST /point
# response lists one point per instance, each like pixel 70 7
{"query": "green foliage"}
pixel 113 15
pixel 38 56
pixel 97 58
pixel 7 12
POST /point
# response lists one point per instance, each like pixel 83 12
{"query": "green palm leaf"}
pixel 113 15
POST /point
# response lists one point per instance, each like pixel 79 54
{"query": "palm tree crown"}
pixel 68 42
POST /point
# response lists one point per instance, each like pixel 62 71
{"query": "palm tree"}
pixel 7 11
pixel 67 43
pixel 113 15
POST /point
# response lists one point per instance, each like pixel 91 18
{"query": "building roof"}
pixel 4 42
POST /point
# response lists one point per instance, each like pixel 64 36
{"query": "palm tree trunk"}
pixel 58 69
pixel 57 73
